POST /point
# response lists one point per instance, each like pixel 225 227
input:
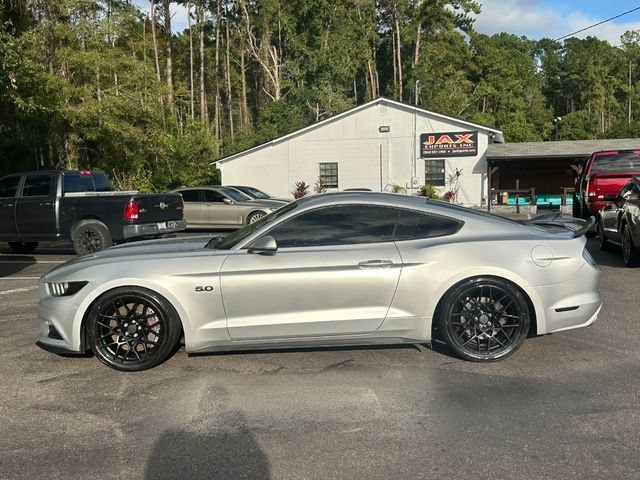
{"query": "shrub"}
pixel 301 189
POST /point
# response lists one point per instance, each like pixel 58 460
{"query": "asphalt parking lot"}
pixel 566 406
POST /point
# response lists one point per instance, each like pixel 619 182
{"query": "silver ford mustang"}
pixel 334 269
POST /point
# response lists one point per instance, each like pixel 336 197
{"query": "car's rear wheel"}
pixel 484 319
pixel 630 254
pixel 91 236
pixel 254 217
pixel 132 329
pixel 23 247
pixel 602 238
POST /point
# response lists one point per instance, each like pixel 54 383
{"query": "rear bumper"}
pixel 150 229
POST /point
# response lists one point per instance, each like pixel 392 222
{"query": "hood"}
pixel 162 248
pixel 273 204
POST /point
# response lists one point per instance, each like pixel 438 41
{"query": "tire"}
pixel 577 208
pixel 254 217
pixel 630 253
pixel 484 319
pixel 603 241
pixel 132 329
pixel 91 236
pixel 23 247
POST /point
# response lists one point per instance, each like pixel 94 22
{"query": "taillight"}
pixel 131 211
pixel 591 189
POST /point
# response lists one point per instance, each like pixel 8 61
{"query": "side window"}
pixel 9 186
pixel 37 186
pixel 341 225
pixel 412 225
pixel 211 196
pixel 191 196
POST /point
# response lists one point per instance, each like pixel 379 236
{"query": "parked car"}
pixel 619 222
pixel 81 206
pixel 257 194
pixel 340 268
pixel 210 207
pixel 603 175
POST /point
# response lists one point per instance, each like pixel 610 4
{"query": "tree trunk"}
pixel 228 78
pixel 191 61
pixel 203 95
pixel 246 121
pixel 629 106
pixel 218 126
pixel 167 27
pixel 155 54
pixel 416 54
pixel 398 48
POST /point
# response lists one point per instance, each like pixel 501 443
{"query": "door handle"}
pixel 8 205
pixel 375 264
pixel 45 204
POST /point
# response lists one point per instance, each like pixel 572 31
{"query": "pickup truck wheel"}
pixel 602 238
pixel 91 236
pixel 23 247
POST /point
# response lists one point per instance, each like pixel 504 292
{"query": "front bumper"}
pixel 58 330
pixel 152 229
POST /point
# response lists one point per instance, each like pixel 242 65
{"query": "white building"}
pixel 377 145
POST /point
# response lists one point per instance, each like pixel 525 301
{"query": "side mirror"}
pixel 228 201
pixel 266 244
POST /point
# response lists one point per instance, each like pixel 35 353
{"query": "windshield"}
pixel 256 193
pixel 620 162
pixel 234 194
pixel 228 241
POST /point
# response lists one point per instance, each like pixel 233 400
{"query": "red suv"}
pixel 603 175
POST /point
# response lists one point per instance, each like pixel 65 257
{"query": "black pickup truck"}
pixel 81 206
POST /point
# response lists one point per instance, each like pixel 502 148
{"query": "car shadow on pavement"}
pixel 228 453
pixel 612 257
pixel 15 264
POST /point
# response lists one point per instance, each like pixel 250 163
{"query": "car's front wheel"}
pixel 254 217
pixel 484 319
pixel 630 254
pixel 132 329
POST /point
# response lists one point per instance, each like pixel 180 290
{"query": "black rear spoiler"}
pixel 577 226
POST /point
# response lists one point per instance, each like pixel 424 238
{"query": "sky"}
pixel 533 18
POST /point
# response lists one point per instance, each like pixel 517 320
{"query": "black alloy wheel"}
pixel 602 239
pixel 91 236
pixel 23 247
pixel 133 329
pixel 630 254
pixel 484 319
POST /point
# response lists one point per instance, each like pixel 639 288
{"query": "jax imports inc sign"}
pixel 449 144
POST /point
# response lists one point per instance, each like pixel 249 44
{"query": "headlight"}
pixel 64 289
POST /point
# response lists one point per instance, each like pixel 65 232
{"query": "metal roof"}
pixel 375 101
pixel 563 148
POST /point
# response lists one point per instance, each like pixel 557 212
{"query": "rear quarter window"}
pixel 413 225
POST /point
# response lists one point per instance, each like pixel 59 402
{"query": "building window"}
pixel 434 173
pixel 329 174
